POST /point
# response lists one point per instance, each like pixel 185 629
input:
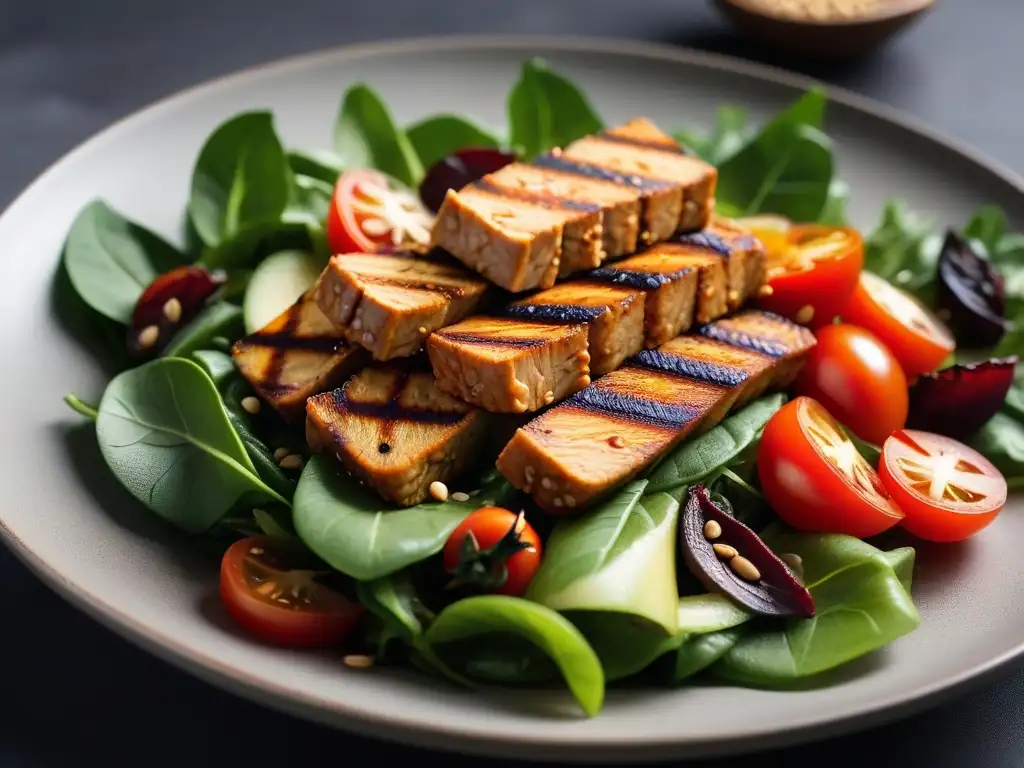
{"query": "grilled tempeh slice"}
pixel 744 257
pixel 605 434
pixel 507 365
pixel 614 316
pixel 388 303
pixel 393 429
pixel 298 354
pixel 521 230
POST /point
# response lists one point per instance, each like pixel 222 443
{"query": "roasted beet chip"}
pixel 169 302
pixel 970 294
pixel 958 400
pixel 459 169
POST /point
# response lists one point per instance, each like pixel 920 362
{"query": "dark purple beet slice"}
pixel 777 593
pixel 970 294
pixel 958 400
pixel 458 170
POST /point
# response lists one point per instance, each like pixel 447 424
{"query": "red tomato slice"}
pixel 815 478
pixel 858 380
pixel 811 269
pixel 494 549
pixel 268 587
pixel 947 490
pixel 918 340
pixel 371 211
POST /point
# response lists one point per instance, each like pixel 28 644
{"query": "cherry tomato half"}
pixel 916 338
pixel 858 380
pixel 947 490
pixel 494 549
pixel 371 211
pixel 815 478
pixel 811 269
pixel 268 587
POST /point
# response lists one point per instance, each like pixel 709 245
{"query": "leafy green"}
pixel 111 260
pixel 1001 441
pixel 366 136
pixel 165 434
pixel 437 137
pixel 545 110
pixel 904 250
pixel 219 319
pixel 902 562
pixel 309 200
pixel 834 211
pixel 350 528
pixel 319 164
pixel 78 405
pixel 272 524
pixel 697 459
pixel 394 600
pixel 240 179
pixel 699 614
pixel 861 606
pixel 484 617
pixel 699 652
pixel 730 133
pixel 624 642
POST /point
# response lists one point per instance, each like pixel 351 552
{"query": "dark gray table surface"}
pixel 74 693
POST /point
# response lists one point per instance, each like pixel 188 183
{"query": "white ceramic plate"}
pixel 66 518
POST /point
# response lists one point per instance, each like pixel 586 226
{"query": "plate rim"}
pixel 418 732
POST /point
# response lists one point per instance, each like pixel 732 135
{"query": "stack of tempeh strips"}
pixel 626 186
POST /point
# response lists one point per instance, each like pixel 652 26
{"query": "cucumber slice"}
pixel 276 284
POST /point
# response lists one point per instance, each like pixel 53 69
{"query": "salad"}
pixel 809 377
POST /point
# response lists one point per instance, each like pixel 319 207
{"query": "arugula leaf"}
pixel 491 616
pixel 545 110
pixel 110 260
pixel 366 136
pixel 240 179
pixel 698 458
pixel 164 433
pixel 730 133
pixel 437 137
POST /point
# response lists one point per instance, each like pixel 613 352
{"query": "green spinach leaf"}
pixel 834 212
pixel 240 179
pixel 366 136
pixel 730 133
pixel 487 616
pixel 902 562
pixel 904 250
pixel 219 319
pixel 308 202
pixel 319 164
pixel 624 642
pixel 699 652
pixel 545 110
pixel 699 614
pixel 1001 441
pixel 255 241
pixel 697 459
pixel 437 137
pixel 350 528
pixel 394 600
pixel 164 433
pixel 861 606
pixel 110 260
pixel 79 406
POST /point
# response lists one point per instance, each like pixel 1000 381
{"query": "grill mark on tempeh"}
pixel 721 375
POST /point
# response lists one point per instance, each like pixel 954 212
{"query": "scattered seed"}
pixel 712 530
pixel 570 501
pixel 357 324
pixel 546 484
pixel 744 568
pixel 358 661
pixel 734 296
pixel 558 502
pixel 280 453
pixel 438 490
pixel 805 314
pixel 725 551
pixel 423 330
pixel 549 397
pixel 251 404
pixel 256 551
pixel 148 336
pixel 172 310
pixel 367 338
pixel 460 496
pixel 709 292
pixel 291 461
pixel 529 473
pixel 616 441
pixel 765 291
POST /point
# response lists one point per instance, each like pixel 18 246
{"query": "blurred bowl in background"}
pixel 822 29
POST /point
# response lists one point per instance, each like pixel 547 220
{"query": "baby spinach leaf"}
pixel 1001 441
pixel 730 133
pixel 508 660
pixel 319 164
pixel 240 178
pixel 698 652
pixel 437 137
pixel 366 136
pixel 861 606
pixel 545 110
pixel 394 599
pixel 986 228
pixel 219 319
pixel 624 642
pixel 834 212
pixel 904 250
pixel 110 260
pixel 696 459
pixel 902 562
pixel 164 433
pixel 257 240
pixel 485 616
pixel 699 614
pixel 350 528
pixel 78 405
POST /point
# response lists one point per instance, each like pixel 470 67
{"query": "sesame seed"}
pixel 423 330
pixel 148 336
pixel 358 661
pixel 291 461
pixel 725 551
pixel 570 501
pixel 172 310
pixel 546 484
pixel 529 473
pixel 805 314
pixel 549 397
pixel 558 502
pixel 734 296
pixel 765 291
pixel 251 404
pixel 460 496
pixel 438 490
pixel 616 441
pixel 256 551
pixel 281 452
pixel 712 530
pixel 357 324
pixel 744 568
pixel 709 292
pixel 367 338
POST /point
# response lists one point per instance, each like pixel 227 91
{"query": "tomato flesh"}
pixel 916 338
pixel 814 477
pixel 371 211
pixel 811 270
pixel 858 380
pixel 269 588
pixel 495 549
pixel 947 490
